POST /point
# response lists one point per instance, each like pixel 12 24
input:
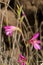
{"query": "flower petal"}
pixel 7 33
pixel 35 36
pixel 8 30
pixel 22 57
pixel 7 27
pixel 36 46
pixel 10 34
pixel 19 60
pixel 23 63
pixel 38 41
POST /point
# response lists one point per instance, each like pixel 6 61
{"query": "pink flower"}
pixel 10 29
pixel 22 60
pixel 35 42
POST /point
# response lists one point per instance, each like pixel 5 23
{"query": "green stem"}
pixel 27 54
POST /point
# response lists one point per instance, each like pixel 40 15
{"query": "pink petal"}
pixel 9 27
pixel 8 30
pixel 23 63
pixel 6 27
pixel 10 34
pixel 7 33
pixel 19 60
pixel 35 36
pixel 36 46
pixel 22 57
pixel 38 41
pixel 12 27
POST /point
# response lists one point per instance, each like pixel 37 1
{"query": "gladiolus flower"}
pixel 10 29
pixel 22 60
pixel 35 42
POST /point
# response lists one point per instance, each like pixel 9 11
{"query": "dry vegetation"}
pixel 11 47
